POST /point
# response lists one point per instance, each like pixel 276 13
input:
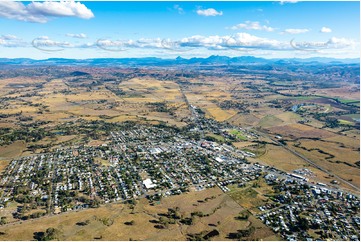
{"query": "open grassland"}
pixel 244 120
pixel 270 121
pixel 220 114
pixel 336 151
pixel 348 141
pixel 301 131
pixel 150 90
pixel 13 150
pixel 281 158
pixel 112 221
pixel 347 92
pixel 289 117
pixel 337 160
pixel 8 152
pixel 57 101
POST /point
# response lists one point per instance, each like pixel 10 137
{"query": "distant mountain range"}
pixel 212 60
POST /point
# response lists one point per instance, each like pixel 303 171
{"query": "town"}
pixel 144 161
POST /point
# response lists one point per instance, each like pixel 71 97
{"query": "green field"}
pixel 219 138
pixel 238 134
pixel 348 101
pixel 345 122
pixel 305 98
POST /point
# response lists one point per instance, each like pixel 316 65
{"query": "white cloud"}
pixel 325 30
pixel 240 42
pixel 45 41
pixel 179 9
pixel 39 12
pixel 209 12
pixel 245 40
pixel 340 43
pixel 288 1
pixel 252 26
pixel 8 37
pixel 237 41
pixel 11 41
pixel 43 37
pixel 79 36
pixel 228 44
pixel 295 31
pixel 214 42
pixel 329 46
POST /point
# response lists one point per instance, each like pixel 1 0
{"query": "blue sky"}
pixel 168 29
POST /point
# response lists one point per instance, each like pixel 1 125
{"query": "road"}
pixel 194 114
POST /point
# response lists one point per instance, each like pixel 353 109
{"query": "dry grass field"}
pixel 3 164
pixel 338 160
pixel 109 221
pixel 13 150
pixel 56 102
pixel 301 131
pixel 220 114
pixel 279 157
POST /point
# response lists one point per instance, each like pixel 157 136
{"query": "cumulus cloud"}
pixel 209 12
pixel 245 40
pixel 40 12
pixel 295 31
pixel 252 26
pixel 78 36
pixel 340 42
pixel 325 30
pixel 214 42
pixel 237 41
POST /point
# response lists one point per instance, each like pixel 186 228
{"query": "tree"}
pixel 49 234
pixel 3 221
pixel 130 222
pixel 331 122
pixel 303 224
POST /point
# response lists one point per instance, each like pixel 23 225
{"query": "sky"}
pixel 95 29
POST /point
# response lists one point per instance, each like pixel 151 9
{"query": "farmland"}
pixel 206 137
